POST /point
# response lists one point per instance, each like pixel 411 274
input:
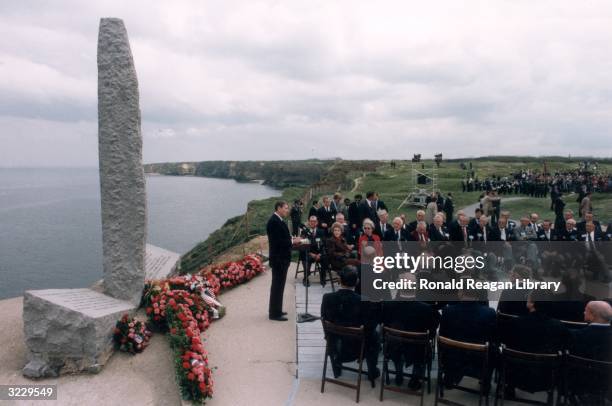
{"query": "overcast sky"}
pixel 293 80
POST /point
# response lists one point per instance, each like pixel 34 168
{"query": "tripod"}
pixel 306 317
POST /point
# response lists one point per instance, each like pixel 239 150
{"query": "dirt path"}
pixel 469 210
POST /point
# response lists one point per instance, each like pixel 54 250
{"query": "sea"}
pixel 50 224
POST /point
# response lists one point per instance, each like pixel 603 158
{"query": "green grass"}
pixel 602 207
pixel 393 185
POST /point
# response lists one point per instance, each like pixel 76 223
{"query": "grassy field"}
pixel 602 207
pixel 393 185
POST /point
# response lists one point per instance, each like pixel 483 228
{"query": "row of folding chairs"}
pixel 553 372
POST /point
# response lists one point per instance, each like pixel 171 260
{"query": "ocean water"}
pixel 50 226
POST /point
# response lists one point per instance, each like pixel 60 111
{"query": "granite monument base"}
pixel 69 330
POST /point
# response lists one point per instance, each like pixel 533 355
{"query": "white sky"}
pixel 293 80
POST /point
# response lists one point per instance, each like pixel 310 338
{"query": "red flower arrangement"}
pixel 184 306
pixel 131 335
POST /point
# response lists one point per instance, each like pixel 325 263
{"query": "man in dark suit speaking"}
pixel 280 242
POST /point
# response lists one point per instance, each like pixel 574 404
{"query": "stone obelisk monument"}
pixel 70 330
pixel 122 180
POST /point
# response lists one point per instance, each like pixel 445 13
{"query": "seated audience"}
pixel 382 225
pixel 408 314
pixel 437 230
pixel 346 308
pixel 595 340
pixel 536 331
pixel 470 320
pixel 338 251
pixel 514 301
pixel 314 254
pixel 368 238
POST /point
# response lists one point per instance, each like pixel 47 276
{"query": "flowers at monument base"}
pixel 131 335
pixel 184 306
pixel 230 274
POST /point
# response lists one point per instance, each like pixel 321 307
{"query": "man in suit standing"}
pixel 326 215
pixel 586 206
pixel 368 208
pixel 449 207
pixel 280 242
pixel 353 215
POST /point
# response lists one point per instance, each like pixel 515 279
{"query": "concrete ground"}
pixel 255 358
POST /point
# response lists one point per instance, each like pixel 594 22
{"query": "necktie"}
pixel 590 241
pixel 464 233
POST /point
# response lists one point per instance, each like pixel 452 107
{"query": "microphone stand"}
pixel 307 317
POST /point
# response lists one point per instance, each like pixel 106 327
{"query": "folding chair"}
pixel 400 338
pixel 574 325
pixel 586 381
pixel 333 333
pixel 449 349
pixel 529 372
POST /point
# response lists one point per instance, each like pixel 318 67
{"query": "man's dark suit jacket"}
pixel 435 235
pixel 469 321
pixel 345 308
pixel 476 231
pixel 565 235
pixel 353 214
pixel 513 301
pixel 392 235
pixel 325 216
pixel 279 238
pixel 569 307
pixel 473 225
pixel 542 235
pixel 411 316
pixel 594 342
pixel 454 229
pixel 312 237
pixel 412 226
pixel 367 212
pixel 536 332
pixel 581 226
pixel 378 229
pixel 495 234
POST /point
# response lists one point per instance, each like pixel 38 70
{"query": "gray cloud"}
pixel 277 80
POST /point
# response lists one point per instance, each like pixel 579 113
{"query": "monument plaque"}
pixel 69 330
pixel 159 263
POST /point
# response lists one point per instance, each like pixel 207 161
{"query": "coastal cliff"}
pixel 279 174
